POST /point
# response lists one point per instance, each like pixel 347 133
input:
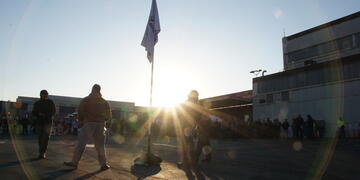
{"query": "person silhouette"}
pixel 43 110
pixel 93 112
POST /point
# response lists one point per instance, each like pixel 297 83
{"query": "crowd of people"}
pixel 297 128
pixel 19 125
pixel 26 125
pixel 66 125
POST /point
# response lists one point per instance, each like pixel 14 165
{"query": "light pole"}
pixel 255 72
pixel 263 72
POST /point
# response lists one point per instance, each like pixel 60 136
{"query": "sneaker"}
pixel 104 167
pixel 70 164
pixel 42 156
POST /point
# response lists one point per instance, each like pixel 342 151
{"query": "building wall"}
pixel 6 106
pixel 322 45
pixel 323 35
pixel 325 102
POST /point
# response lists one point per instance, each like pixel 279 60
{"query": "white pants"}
pixel 91 132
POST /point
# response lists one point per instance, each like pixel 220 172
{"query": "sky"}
pixel 209 45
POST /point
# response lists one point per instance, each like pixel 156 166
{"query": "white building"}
pixel 336 39
pixel 321 76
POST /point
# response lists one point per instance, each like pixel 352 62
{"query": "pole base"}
pixel 148 159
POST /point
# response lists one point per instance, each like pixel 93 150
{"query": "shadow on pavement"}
pixel 199 173
pixel 7 164
pixel 189 174
pixel 89 175
pixel 202 172
pixel 141 172
pixel 55 174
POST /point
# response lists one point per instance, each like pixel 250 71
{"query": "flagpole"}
pixel 150 111
pixel 149 40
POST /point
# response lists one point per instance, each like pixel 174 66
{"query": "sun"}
pixel 171 87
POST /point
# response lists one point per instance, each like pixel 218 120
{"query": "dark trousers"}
pixel 5 128
pixel 341 132
pixel 43 131
pixel 25 129
pixel 311 132
pixel 321 132
pixel 203 145
pixel 295 132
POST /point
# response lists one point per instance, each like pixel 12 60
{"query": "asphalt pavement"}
pixel 248 159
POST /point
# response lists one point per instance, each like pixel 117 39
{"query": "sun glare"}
pixel 171 88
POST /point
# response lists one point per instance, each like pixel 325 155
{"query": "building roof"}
pixel 331 23
pixel 233 99
pixel 310 67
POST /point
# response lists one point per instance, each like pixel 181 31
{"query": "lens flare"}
pixel 206 150
pixel 90 145
pixel 133 118
pixel 231 154
pixel 166 139
pixel 297 146
pixel 187 132
pixel 119 139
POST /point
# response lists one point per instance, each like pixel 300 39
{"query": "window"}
pixel 285 96
pixel 305 53
pixel 261 101
pixel 327 47
pixel 267 85
pixel 357 40
pixel 314 76
pixel 344 43
pixel 282 83
pixel 351 70
pixel 298 55
pixel 328 74
pixel 269 98
pixel 300 79
pixel 292 80
pixel 308 77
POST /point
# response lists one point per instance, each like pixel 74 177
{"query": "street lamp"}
pixel 264 71
pixel 255 72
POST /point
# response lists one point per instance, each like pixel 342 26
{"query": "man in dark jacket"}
pixel 193 122
pixel 203 129
pixel 25 122
pixel 4 124
pixel 43 110
pixel 285 126
pixel 310 127
pixel 301 126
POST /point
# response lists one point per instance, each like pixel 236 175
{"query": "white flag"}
pixel 151 33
